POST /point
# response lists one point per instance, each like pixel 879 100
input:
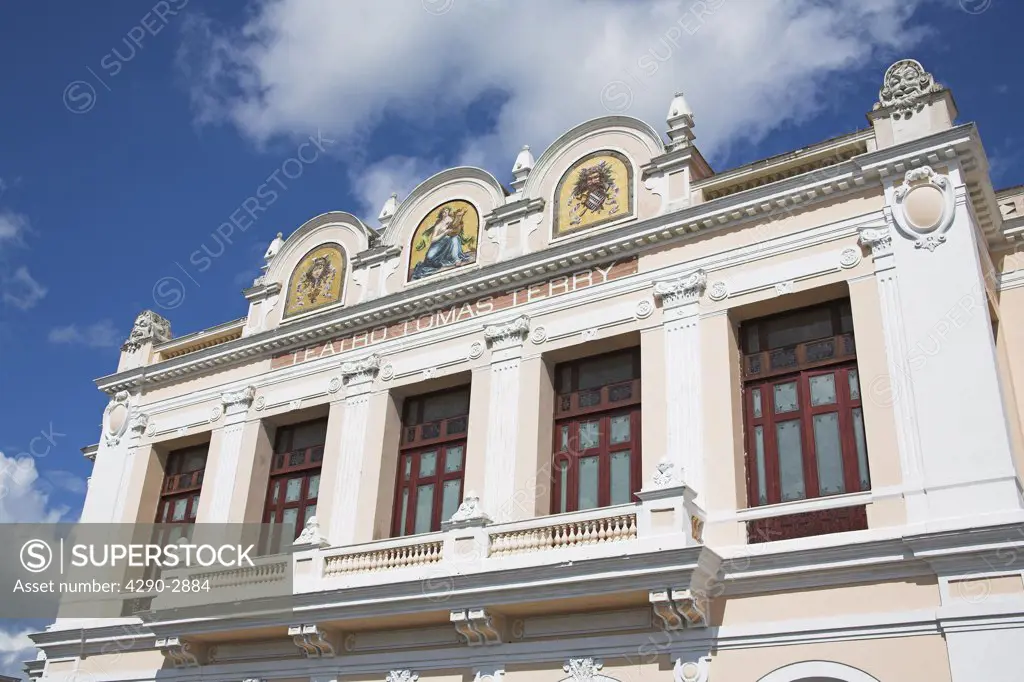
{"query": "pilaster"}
pixel 948 373
pixel 342 497
pixel 222 477
pixel 683 419
pixel 505 342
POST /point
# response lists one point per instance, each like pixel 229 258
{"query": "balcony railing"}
pixel 564 531
pixel 399 553
pixel 663 519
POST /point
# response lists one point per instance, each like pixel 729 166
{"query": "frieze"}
pixel 556 286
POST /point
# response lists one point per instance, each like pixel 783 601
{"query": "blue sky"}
pixel 131 132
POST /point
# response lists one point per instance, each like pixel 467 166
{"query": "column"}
pixel 899 391
pixel 683 415
pixel 221 480
pixel 506 344
pixel 358 377
pixel 961 420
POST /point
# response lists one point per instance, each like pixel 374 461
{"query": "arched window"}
pixel 817 671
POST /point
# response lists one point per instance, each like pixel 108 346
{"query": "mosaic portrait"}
pixel 444 240
pixel 596 190
pixel 317 281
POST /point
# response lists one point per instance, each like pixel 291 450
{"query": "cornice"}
pixel 790 194
pixel 513 210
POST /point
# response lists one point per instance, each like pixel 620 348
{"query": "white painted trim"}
pixel 797 507
pixel 814 670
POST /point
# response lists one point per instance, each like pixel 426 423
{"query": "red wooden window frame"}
pixel 574 406
pixel 419 437
pixel 290 462
pixel 805 359
pixel 183 480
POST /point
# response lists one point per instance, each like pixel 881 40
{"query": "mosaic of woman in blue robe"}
pixel 446 244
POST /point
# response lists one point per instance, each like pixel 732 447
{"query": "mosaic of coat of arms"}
pixel 445 239
pixel 317 281
pixel 596 190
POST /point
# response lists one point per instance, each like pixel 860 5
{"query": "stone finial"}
pixel 680 123
pixel 904 88
pixel 149 328
pixel 469 513
pixel 522 167
pixel 274 248
pixel 388 211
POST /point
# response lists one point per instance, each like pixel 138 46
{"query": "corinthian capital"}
pixel 878 240
pixel 362 370
pixel 238 401
pixel 686 289
pixel 509 334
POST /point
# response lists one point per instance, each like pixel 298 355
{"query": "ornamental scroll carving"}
pixel 687 289
pixel 509 334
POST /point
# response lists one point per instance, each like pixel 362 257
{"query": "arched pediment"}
pixel 313 267
pixel 439 226
pixel 482 188
pixel 817 671
pixel 649 145
pixel 337 226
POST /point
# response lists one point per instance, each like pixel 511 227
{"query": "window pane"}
pixel 193 460
pixel 450 498
pixel 589 434
pixel 309 434
pixel 194 508
pixel 791 465
pixel 862 449
pixel 289 520
pixel 803 325
pixel 179 509
pixel 785 397
pixel 293 490
pixel 762 480
pixel 310 513
pixel 620 478
pixel 823 389
pixel 854 379
pixel 314 487
pixel 444 405
pixel 620 428
pixel 829 452
pixel 563 484
pixel 564 438
pixel 428 463
pixel 588 482
pixel 453 459
pixel 565 379
pixel 408 467
pixel 610 369
pixel 752 341
pixel 424 508
pixel 405 511
pixel 755 397
pixel 277 491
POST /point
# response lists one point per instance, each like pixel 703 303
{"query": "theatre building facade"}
pixel 627 418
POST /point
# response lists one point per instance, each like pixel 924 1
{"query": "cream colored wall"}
pixel 823 602
pixel 782 224
pixel 725 469
pixel 1010 335
pixel 907 659
pixel 653 395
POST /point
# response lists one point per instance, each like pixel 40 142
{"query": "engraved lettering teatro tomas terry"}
pixel 460 312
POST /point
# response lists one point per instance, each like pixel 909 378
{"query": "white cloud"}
pixel 747 67
pixel 373 184
pixel 24 496
pixel 15 648
pixel 102 334
pixel 21 290
pixel 12 225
